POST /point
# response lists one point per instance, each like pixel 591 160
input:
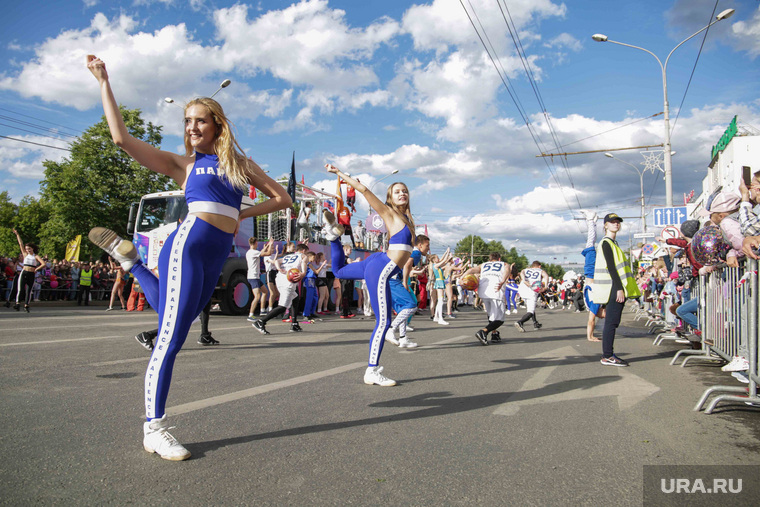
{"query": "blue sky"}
pixel 379 86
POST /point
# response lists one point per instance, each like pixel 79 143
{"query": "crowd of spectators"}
pixel 59 280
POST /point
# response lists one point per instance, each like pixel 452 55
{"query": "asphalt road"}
pixel 286 419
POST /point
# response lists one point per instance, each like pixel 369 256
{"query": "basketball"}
pixel 294 274
pixel 469 282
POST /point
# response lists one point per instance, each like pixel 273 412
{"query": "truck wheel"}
pixel 237 296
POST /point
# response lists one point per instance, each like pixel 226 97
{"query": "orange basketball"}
pixel 469 282
pixel 294 274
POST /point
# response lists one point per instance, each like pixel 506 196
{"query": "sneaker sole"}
pixel 144 345
pixel 104 238
pixel 168 458
pixel 481 339
pixel 613 364
pixel 381 385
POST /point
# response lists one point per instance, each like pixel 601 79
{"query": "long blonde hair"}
pixel 406 214
pixel 231 156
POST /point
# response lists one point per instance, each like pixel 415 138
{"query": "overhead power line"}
pixel 38 144
pixel 512 94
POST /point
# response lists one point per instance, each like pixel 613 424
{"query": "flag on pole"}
pixel 292 179
pixel 339 194
pixel 72 249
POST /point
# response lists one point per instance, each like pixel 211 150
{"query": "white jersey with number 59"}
pixel 491 273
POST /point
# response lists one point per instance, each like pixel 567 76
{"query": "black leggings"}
pixel 611 323
pixel 25 284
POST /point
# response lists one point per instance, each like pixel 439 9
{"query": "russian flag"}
pixel 329 205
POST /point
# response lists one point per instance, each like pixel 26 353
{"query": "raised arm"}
pixel 20 243
pixel 267 250
pixel 156 160
pixel 446 258
pixel 278 196
pixel 384 211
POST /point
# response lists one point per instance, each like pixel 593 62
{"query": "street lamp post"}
pixel 641 182
pixel 223 84
pixel 395 171
pixel 668 161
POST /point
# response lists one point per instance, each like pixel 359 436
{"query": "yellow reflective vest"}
pixel 85 278
pixel 602 288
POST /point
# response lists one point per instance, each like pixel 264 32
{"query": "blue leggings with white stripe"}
pixel 189 266
pixel 375 270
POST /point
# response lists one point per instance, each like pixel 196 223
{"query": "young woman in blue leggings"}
pixel 378 268
pixel 215 174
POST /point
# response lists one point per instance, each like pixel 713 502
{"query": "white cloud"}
pixel 24 160
pixel 747 34
pixel 141 65
pixel 564 40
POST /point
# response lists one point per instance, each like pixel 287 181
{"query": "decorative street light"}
pixel 396 171
pixel 223 84
pixel 641 181
pixel 668 161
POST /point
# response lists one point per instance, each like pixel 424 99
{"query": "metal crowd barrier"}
pixel 728 318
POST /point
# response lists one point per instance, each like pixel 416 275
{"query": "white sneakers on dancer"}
pixel 374 375
pixel 401 342
pixel 158 439
pixel 406 343
pixel 331 230
pixel 589 215
pixel 120 249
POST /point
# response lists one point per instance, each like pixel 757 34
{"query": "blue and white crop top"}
pixel 207 189
pixel 402 240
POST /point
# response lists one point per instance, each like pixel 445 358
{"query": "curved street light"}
pixel 641 182
pixel 667 147
pixel 396 171
pixel 223 84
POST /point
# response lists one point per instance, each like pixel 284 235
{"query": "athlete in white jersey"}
pixel 288 289
pixel 493 276
pixel 532 281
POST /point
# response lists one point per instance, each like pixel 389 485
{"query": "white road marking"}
pixel 630 389
pixel 47 342
pixel 247 393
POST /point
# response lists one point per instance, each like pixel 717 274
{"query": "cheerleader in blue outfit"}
pixel 377 269
pixel 215 174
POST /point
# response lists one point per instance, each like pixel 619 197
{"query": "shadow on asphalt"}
pixel 433 404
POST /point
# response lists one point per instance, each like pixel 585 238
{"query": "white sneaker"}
pixel 738 363
pixel 741 377
pixel 158 439
pixel 590 215
pixel 331 231
pixel 442 322
pixel 374 375
pixel 391 337
pixel 409 328
pixel 406 343
pixel 122 250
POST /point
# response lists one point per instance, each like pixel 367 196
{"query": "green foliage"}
pixel 482 250
pixel 8 214
pixel 96 185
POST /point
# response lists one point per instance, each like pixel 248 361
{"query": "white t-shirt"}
pixel 269 262
pixel 287 263
pixel 253 257
pixel 490 276
pixel 533 278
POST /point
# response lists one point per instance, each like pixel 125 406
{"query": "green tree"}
pixel 475 244
pixel 8 214
pixel 96 185
pixel 554 270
